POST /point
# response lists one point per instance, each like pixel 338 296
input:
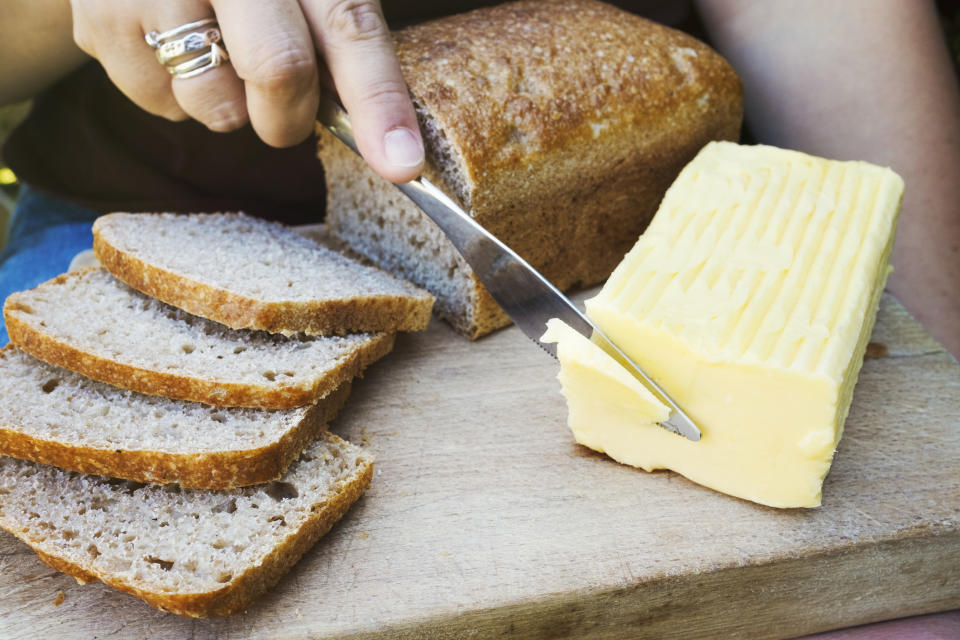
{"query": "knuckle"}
pixel 226 122
pixel 216 101
pixel 94 22
pixel 355 20
pixel 284 138
pixel 173 113
pixel 287 71
pixel 83 38
pixel 383 92
pixel 228 116
pixel 157 100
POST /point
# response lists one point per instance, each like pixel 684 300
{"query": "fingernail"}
pixel 402 148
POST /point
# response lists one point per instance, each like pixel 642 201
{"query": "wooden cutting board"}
pixel 485 520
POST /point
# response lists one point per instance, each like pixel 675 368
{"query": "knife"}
pixel 523 293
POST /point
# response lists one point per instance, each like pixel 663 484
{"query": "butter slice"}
pixel 750 299
pixel 606 405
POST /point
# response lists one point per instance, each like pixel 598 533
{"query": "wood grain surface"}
pixel 486 520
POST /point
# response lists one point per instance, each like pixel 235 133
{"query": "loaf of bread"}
pixel 54 416
pixel 191 552
pixel 248 273
pixel 557 125
pixel 91 323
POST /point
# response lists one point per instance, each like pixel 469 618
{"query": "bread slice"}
pixel 249 273
pixel 379 223
pixel 558 125
pixel 93 324
pixel 54 416
pixel 191 552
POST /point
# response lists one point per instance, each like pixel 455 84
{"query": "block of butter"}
pixel 750 298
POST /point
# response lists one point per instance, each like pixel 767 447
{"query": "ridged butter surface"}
pixel 750 298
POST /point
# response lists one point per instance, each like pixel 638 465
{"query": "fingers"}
pixel 272 53
pixel 273 79
pixel 359 52
pixel 215 97
pixel 114 35
pixel 113 38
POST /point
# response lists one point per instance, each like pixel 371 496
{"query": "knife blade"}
pixel 523 293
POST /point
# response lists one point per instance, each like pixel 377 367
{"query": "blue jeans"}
pixel 45 234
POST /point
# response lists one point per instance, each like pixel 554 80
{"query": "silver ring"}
pixel 190 49
pixel 204 62
pixel 174 51
pixel 155 39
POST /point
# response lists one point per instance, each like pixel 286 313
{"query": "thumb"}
pixel 354 40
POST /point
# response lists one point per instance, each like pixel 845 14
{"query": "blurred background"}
pixel 11 115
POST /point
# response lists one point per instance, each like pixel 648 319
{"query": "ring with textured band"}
pixel 190 49
pixel 190 45
pixel 156 38
pixel 204 62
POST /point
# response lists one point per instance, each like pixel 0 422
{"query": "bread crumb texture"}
pixel 91 323
pixel 192 552
pixel 51 403
pixel 254 274
pixel 54 416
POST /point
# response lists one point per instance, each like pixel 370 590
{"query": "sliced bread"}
pixel 55 416
pixel 191 552
pixel 249 273
pixel 91 323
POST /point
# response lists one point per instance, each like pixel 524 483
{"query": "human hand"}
pixel 272 80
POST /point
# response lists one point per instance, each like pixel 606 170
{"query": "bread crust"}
pixel 361 314
pixel 524 81
pixel 204 470
pixel 566 156
pixel 179 387
pixel 559 125
pixel 240 592
pixel 486 316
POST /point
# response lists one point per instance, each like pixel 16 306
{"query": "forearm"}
pixel 867 80
pixel 36 47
